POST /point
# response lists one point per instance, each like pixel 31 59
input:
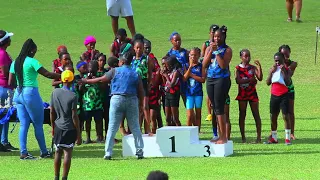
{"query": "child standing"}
pixel 144 69
pixel 65 60
pixel 82 67
pixel 182 56
pixel 91 53
pixel 291 65
pixel 57 62
pixel 92 104
pixel 206 44
pixel 65 123
pixel 279 79
pixel 154 94
pixel 246 75
pixel 104 88
pixel 172 89
pixel 121 38
pixel 194 93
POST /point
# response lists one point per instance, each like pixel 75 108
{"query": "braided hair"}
pixel 27 50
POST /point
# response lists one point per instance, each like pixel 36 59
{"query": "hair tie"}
pixel 80 64
pixel 173 34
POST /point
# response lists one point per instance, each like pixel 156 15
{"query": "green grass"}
pixel 258 25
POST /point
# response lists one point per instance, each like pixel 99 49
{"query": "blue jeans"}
pixel 121 106
pixel 4 94
pixel 30 110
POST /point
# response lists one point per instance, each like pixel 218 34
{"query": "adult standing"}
pixel 127 96
pixel 123 8
pixel 298 6
pixel 5 89
pixel 216 68
pixel 25 70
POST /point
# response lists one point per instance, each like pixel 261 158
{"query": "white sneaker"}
pixel 215 138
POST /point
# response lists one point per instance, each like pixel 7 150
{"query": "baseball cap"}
pixel 7 35
pixel 67 76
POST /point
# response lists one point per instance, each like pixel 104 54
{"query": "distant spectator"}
pixel 116 8
pixel 157 175
pixel 298 6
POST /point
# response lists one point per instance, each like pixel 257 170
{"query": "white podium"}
pixel 175 141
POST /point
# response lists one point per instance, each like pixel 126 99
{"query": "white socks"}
pixel 288 133
pixel 274 135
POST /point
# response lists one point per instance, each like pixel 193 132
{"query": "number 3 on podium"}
pixel 208 151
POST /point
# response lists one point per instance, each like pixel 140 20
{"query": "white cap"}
pixel 6 36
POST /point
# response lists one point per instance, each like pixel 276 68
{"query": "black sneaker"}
pixel 46 155
pixel 10 147
pixel 107 157
pixel 27 157
pixel 4 149
pixel 140 157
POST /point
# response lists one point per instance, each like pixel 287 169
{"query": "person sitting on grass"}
pixel 65 123
pixel 127 97
pixel 279 79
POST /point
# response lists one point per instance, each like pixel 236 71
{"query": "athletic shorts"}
pixel 172 100
pixel 118 8
pixel 97 115
pixel 279 102
pixel 291 95
pixel 64 138
pixel 194 101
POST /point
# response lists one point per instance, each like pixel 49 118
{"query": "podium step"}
pixel 176 142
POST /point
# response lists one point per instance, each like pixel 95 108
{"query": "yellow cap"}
pixel 67 76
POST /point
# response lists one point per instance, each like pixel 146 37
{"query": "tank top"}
pixel 291 86
pixel 194 88
pixel 176 87
pixel 214 70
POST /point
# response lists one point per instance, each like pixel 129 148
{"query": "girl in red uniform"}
pixel 172 90
pixel 246 78
pixel 154 94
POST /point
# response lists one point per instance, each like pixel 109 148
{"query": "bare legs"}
pixel 66 162
pixel 130 24
pixel 298 6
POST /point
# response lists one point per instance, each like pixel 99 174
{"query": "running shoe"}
pixel 287 142
pixel 27 157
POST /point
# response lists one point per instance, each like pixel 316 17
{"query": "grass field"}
pixel 259 25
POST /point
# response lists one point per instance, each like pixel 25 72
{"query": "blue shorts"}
pixel 194 101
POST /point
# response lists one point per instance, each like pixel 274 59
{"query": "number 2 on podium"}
pixel 173 144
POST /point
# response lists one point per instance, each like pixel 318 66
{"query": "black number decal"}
pixel 208 151
pixel 173 144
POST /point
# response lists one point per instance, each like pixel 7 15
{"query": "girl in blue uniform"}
pixel 216 67
pixel 194 92
pixel 182 56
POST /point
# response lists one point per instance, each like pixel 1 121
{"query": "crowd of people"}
pixel 134 87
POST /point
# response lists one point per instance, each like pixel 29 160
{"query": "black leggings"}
pixel 218 90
